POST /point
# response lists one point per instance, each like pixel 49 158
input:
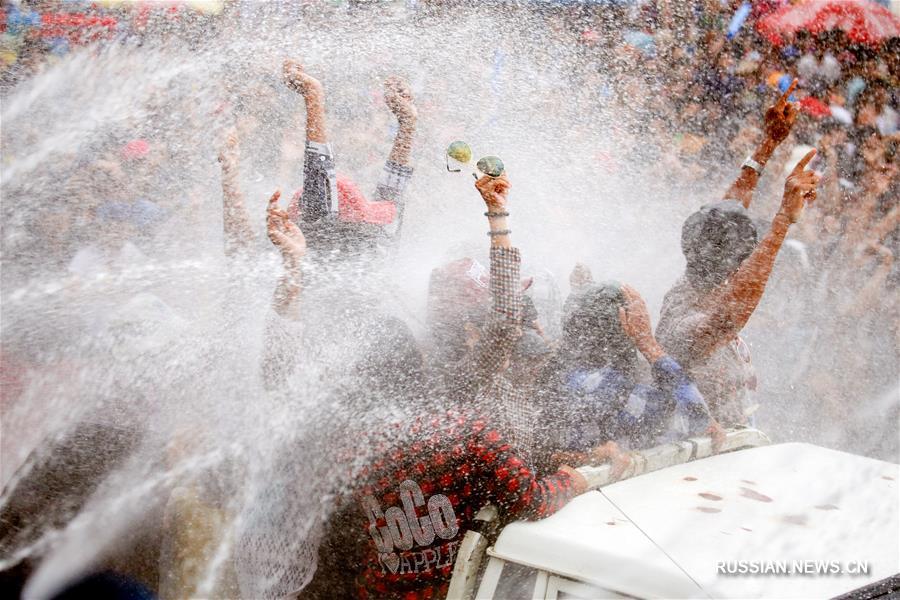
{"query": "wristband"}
pixel 752 164
pixel 501 232
pixel 496 214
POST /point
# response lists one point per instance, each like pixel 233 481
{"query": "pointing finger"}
pixel 273 201
pixel 803 162
pixel 787 94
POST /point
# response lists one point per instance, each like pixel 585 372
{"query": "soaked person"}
pixel 594 403
pixel 728 265
pixel 335 214
pixel 332 210
pixel 396 533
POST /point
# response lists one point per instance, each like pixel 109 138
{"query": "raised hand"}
pixel 228 155
pixel 780 116
pixel 799 189
pixel 635 320
pixel 494 191
pixel 286 236
pixel 716 434
pixel 299 80
pixel 399 100
pixel 580 276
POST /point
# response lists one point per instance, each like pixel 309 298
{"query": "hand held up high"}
pixel 398 98
pixel 284 234
pixel 780 117
pixel 494 191
pixel 300 81
pixel 799 189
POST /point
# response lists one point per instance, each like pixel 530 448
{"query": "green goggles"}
pixel 459 158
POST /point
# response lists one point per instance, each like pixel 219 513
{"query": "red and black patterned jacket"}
pixel 396 535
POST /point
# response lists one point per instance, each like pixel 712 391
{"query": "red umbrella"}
pixel 862 20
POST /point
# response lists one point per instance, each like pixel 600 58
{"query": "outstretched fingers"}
pixel 783 101
pixel 800 166
pixel 273 201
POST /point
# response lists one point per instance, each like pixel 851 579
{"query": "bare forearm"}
pixel 743 187
pixel 886 225
pixel 402 148
pixel 236 222
pixel 286 299
pixel 315 118
pixel 730 307
pixel 499 232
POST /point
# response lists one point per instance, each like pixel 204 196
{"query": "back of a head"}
pixel 458 295
pixel 715 241
pixel 593 335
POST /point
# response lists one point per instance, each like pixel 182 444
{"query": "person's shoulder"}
pixel 680 297
pixel 680 303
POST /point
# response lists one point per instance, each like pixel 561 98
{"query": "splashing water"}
pixel 137 367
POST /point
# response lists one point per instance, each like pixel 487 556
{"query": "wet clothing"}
pixel 481 373
pixel 397 534
pixel 725 377
pixel 593 406
pixel 319 197
pixel 331 209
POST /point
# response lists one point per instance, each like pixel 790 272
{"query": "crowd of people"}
pixel 498 401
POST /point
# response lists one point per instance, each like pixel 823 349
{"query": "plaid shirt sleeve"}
pixel 510 484
pixel 502 330
pixel 394 181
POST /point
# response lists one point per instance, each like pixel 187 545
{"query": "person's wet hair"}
pixel 593 334
pixel 715 241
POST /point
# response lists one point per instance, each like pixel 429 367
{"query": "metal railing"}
pixel 475 542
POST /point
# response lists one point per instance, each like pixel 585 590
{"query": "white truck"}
pixel 753 521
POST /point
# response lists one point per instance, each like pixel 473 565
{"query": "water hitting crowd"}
pixel 265 411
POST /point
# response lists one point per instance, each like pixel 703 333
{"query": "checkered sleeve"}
pixel 392 187
pixel 319 197
pixel 502 329
pixel 506 292
pixel 394 180
pixel 510 484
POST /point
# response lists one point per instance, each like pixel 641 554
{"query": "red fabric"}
pixel 814 107
pixel 76 27
pixel 135 149
pixel 461 283
pixel 454 460
pixel 862 20
pixel 352 205
pixel 354 208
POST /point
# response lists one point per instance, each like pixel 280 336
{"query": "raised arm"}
pixel 399 100
pixel 499 336
pixel 728 307
pixel 780 118
pixel 319 197
pixel 280 343
pixel 289 240
pixel 397 169
pixel 238 233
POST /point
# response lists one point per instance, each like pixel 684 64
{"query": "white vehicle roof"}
pixel 662 534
